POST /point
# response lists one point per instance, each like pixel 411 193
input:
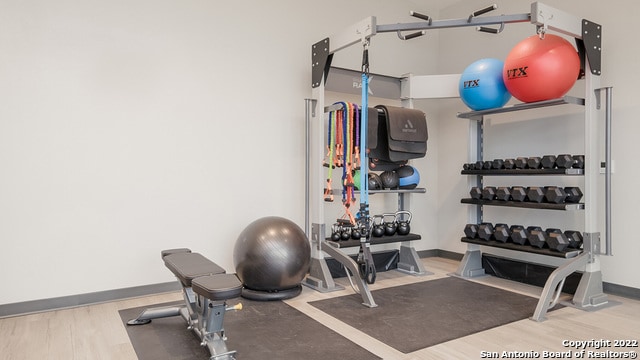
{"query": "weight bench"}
pixel 205 287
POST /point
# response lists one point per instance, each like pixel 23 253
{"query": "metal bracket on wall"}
pixel 320 61
pixel 592 37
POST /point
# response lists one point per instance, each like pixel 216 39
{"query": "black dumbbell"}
pixel 497 164
pixel 478 165
pixel 535 193
pixel 467 166
pixel 579 161
pixel 501 232
pixel 537 237
pixel 548 161
pixel 555 194
pixel 509 163
pixel 574 237
pixel 534 162
pixel 476 193
pixel 471 231
pixel 574 194
pixel 489 193
pixel 485 231
pixel 518 193
pixel 487 165
pixel 565 161
pixel 503 193
pixel 556 240
pixel 519 234
pixel 521 163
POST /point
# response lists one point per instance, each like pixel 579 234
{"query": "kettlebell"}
pixel 335 233
pixel 390 226
pixel 356 234
pixel 378 227
pixel 345 234
pixel 403 227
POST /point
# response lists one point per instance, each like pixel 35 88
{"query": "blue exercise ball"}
pixel 408 177
pixel 272 254
pixel 481 85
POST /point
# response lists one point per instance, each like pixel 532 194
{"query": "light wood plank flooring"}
pixel 96 332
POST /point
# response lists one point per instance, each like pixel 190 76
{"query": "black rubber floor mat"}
pixel 416 316
pixel 261 330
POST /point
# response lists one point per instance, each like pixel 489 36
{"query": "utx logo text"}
pixel 517 72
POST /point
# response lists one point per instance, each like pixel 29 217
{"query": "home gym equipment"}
pixel 391 225
pixel 535 193
pixel 575 238
pixel 476 193
pixel 389 179
pixel 579 161
pixel 481 86
pixel 205 288
pixel 548 161
pixel 534 162
pixel 536 236
pixel 271 256
pixel 565 161
pixel 503 193
pixel 497 164
pixel 519 234
pixel 518 193
pixel 521 162
pixel 489 193
pixel 574 194
pixel 502 232
pixel 509 163
pixel 545 19
pixel 556 239
pixel 541 67
pixel 555 194
pixel 408 177
pixel 375 182
pixel 403 225
pixel 471 230
pixel 485 231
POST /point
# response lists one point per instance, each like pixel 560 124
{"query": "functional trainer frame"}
pixel 588 39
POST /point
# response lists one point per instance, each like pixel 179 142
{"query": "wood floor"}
pixel 96 331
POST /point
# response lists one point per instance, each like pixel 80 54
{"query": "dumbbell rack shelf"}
pixel 524 204
pixel 527 172
pixel 375 240
pixel 511 246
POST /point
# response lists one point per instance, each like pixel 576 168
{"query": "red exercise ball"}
pixel 540 69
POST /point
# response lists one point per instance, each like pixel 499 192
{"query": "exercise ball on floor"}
pixel 481 86
pixel 539 69
pixel 271 256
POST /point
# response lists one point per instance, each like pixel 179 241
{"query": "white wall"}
pixel 127 127
pixel 553 132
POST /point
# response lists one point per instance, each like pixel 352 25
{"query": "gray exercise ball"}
pixel 272 254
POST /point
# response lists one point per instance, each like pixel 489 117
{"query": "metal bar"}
pixel 607 169
pixel 307 165
pixel 454 23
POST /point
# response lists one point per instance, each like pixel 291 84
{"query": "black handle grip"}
pixel 419 16
pixel 414 35
pixel 485 10
pixel 488 30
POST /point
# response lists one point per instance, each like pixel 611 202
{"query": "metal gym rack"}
pixel 545 19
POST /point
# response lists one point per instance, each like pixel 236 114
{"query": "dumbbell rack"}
pixel 589 293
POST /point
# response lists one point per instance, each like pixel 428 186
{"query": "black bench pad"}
pixel 187 266
pixel 217 287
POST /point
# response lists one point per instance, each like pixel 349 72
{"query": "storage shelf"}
pixel 525 204
pixel 375 240
pixel 526 248
pixel 477 115
pixel 511 172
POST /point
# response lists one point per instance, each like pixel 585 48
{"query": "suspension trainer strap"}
pixel 365 259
